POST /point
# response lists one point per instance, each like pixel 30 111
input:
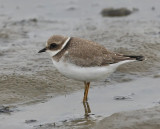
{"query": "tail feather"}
pixel 138 58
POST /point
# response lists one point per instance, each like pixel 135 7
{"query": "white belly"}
pixel 86 73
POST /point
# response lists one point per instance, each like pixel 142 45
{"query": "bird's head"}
pixel 55 44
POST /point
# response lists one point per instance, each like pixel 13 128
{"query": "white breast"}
pixel 86 73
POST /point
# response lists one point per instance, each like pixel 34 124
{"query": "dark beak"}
pixel 43 50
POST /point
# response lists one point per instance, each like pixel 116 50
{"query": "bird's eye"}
pixel 53 45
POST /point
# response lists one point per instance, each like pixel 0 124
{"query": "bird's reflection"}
pixel 86 121
pixel 87 109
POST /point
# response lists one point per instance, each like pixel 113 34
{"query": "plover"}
pixel 84 60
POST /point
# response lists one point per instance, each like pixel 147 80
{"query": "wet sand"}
pixel 27 77
pixel 139 119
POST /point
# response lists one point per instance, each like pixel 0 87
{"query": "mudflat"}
pixel 28 78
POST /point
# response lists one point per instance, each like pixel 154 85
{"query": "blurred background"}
pixel 126 26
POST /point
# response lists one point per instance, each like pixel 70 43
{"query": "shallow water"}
pixel 68 111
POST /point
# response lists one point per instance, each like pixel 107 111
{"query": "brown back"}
pixel 86 53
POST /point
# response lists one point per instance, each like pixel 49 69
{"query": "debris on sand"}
pixel 111 12
pixel 5 109
pixel 122 98
pixel 71 9
pixel 128 97
pixel 4 35
pixel 30 121
pixel 33 20
pixel 25 21
pixel 1 54
pixel 156 75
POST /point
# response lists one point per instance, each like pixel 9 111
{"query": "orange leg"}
pixel 86 109
pixel 87 84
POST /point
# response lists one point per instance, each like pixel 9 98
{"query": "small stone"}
pixel 111 12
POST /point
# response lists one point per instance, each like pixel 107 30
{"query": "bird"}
pixel 84 60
